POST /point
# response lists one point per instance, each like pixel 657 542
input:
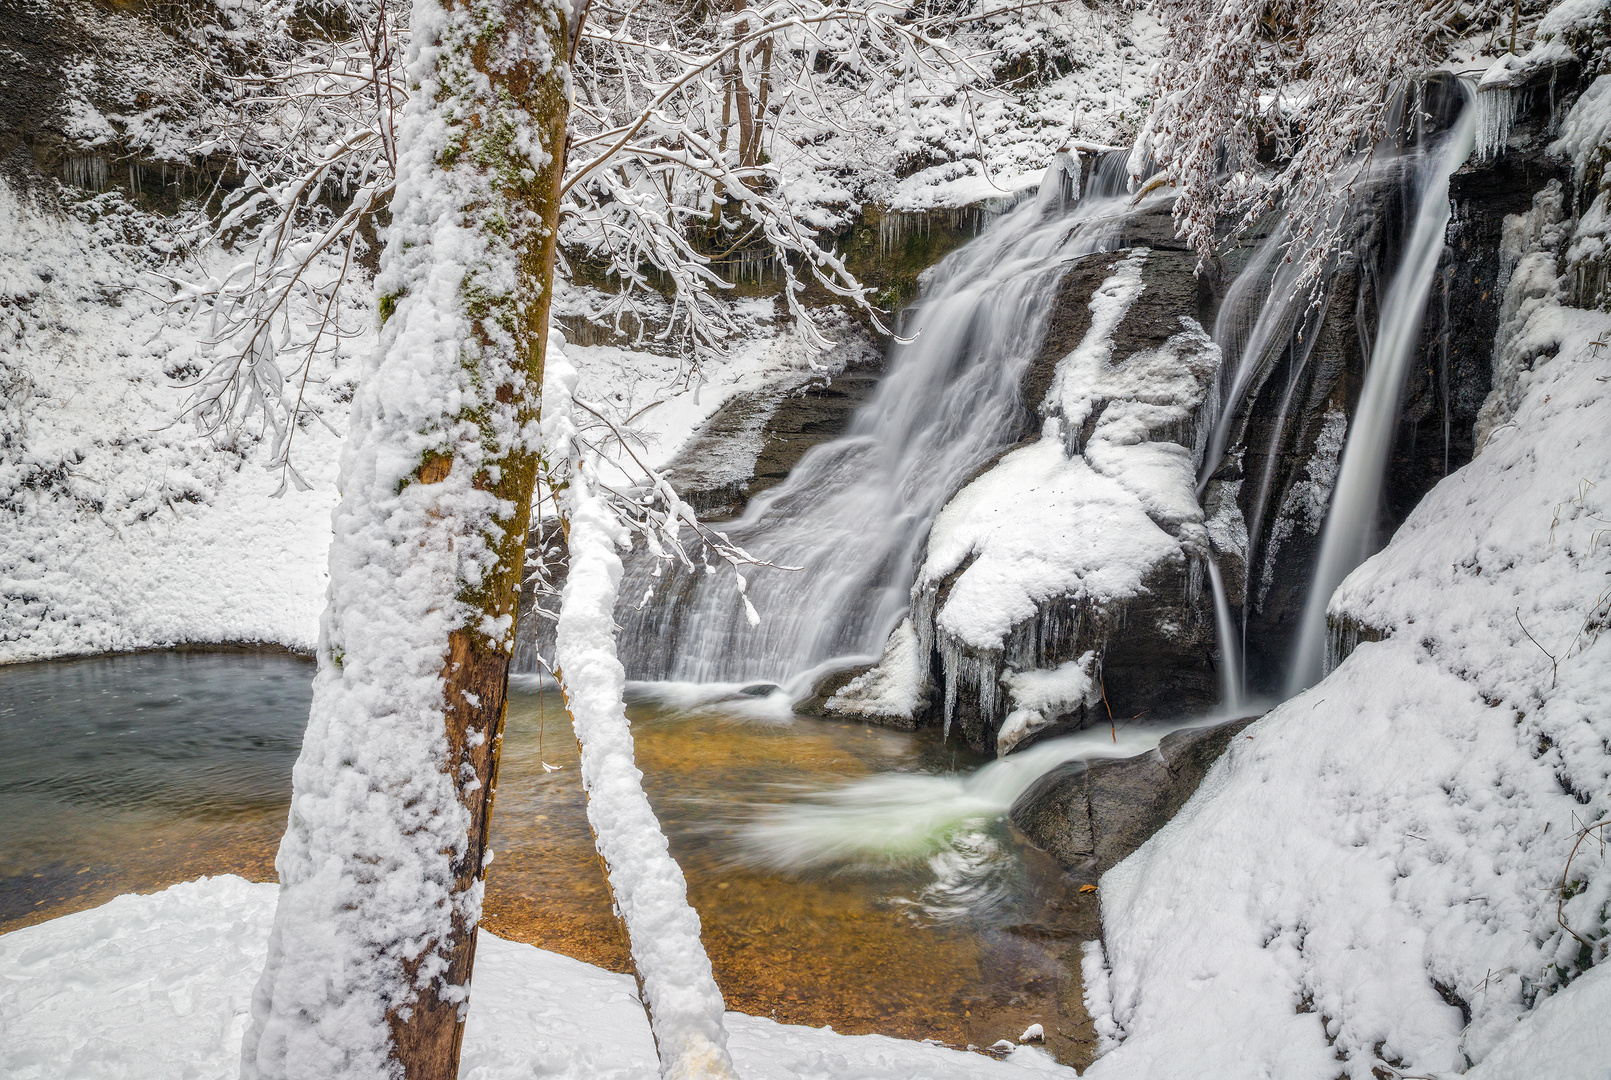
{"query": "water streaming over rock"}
pixel 1351 524
pixel 854 514
pixel 896 817
pixel 1272 310
pixel 1232 674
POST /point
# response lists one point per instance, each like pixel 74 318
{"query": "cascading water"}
pixel 1272 309
pixel 1232 674
pixel 853 515
pixel 1350 530
pixel 903 817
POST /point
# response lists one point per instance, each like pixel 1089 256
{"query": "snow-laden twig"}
pixel 1318 81
pixel 690 129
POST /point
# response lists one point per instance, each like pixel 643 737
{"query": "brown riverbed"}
pixel 876 946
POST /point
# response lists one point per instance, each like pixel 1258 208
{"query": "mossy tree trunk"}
pixel 381 869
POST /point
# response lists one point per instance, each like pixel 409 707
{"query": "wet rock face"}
pixel 753 441
pixel 1090 816
pixel 1453 372
pixel 1443 394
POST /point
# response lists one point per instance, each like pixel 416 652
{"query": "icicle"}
pixel 1496 112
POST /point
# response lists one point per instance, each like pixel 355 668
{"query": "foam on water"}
pixel 923 817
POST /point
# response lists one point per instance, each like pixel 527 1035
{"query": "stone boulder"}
pixel 1089 816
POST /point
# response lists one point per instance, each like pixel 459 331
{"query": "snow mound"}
pixel 893 687
pixel 158 987
pixel 1369 879
pixel 1058 518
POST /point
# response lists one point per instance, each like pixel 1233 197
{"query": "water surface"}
pixel 131 773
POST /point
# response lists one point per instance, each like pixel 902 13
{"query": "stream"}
pixel 845 875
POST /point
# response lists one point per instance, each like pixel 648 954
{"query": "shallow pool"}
pixel 845 875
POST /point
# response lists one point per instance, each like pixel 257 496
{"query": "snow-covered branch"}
pixel 703 148
pixel 1310 85
pixel 675 981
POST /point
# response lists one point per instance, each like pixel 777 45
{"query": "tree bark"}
pixel 428 1032
pixel 381 869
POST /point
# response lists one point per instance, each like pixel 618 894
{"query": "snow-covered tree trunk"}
pixel 381 868
pixel 675 982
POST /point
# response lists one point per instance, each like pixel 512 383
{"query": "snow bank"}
pixel 120 526
pixel 123 527
pixel 1377 861
pixel 157 987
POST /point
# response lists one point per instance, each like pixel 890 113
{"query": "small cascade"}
pixel 908 817
pixel 1271 306
pixel 855 512
pixel 1300 348
pixel 1271 311
pixel 1350 530
pixel 1232 675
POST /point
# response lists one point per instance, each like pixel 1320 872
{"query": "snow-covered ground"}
pixel 157 988
pixel 124 526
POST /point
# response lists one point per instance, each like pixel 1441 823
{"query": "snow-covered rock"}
pixel 1044 557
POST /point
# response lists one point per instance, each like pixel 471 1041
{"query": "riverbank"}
pixel 157 987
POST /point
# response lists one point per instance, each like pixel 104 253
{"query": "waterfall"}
pixel 855 512
pixel 1350 530
pixel 1232 675
pixel 1272 305
pixel 1271 310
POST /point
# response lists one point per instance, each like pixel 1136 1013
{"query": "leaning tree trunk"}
pixel 381 867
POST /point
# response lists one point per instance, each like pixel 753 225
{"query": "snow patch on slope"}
pixel 124 527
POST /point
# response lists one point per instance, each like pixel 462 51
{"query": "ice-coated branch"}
pixel 691 130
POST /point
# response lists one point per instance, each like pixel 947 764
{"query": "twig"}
pixel 1554 664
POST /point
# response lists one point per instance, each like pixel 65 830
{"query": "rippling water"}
pixel 845 875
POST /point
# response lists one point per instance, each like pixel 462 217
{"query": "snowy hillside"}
pixel 1402 869
pixel 127 527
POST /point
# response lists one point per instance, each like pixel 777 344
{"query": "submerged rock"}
pixel 1089 816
